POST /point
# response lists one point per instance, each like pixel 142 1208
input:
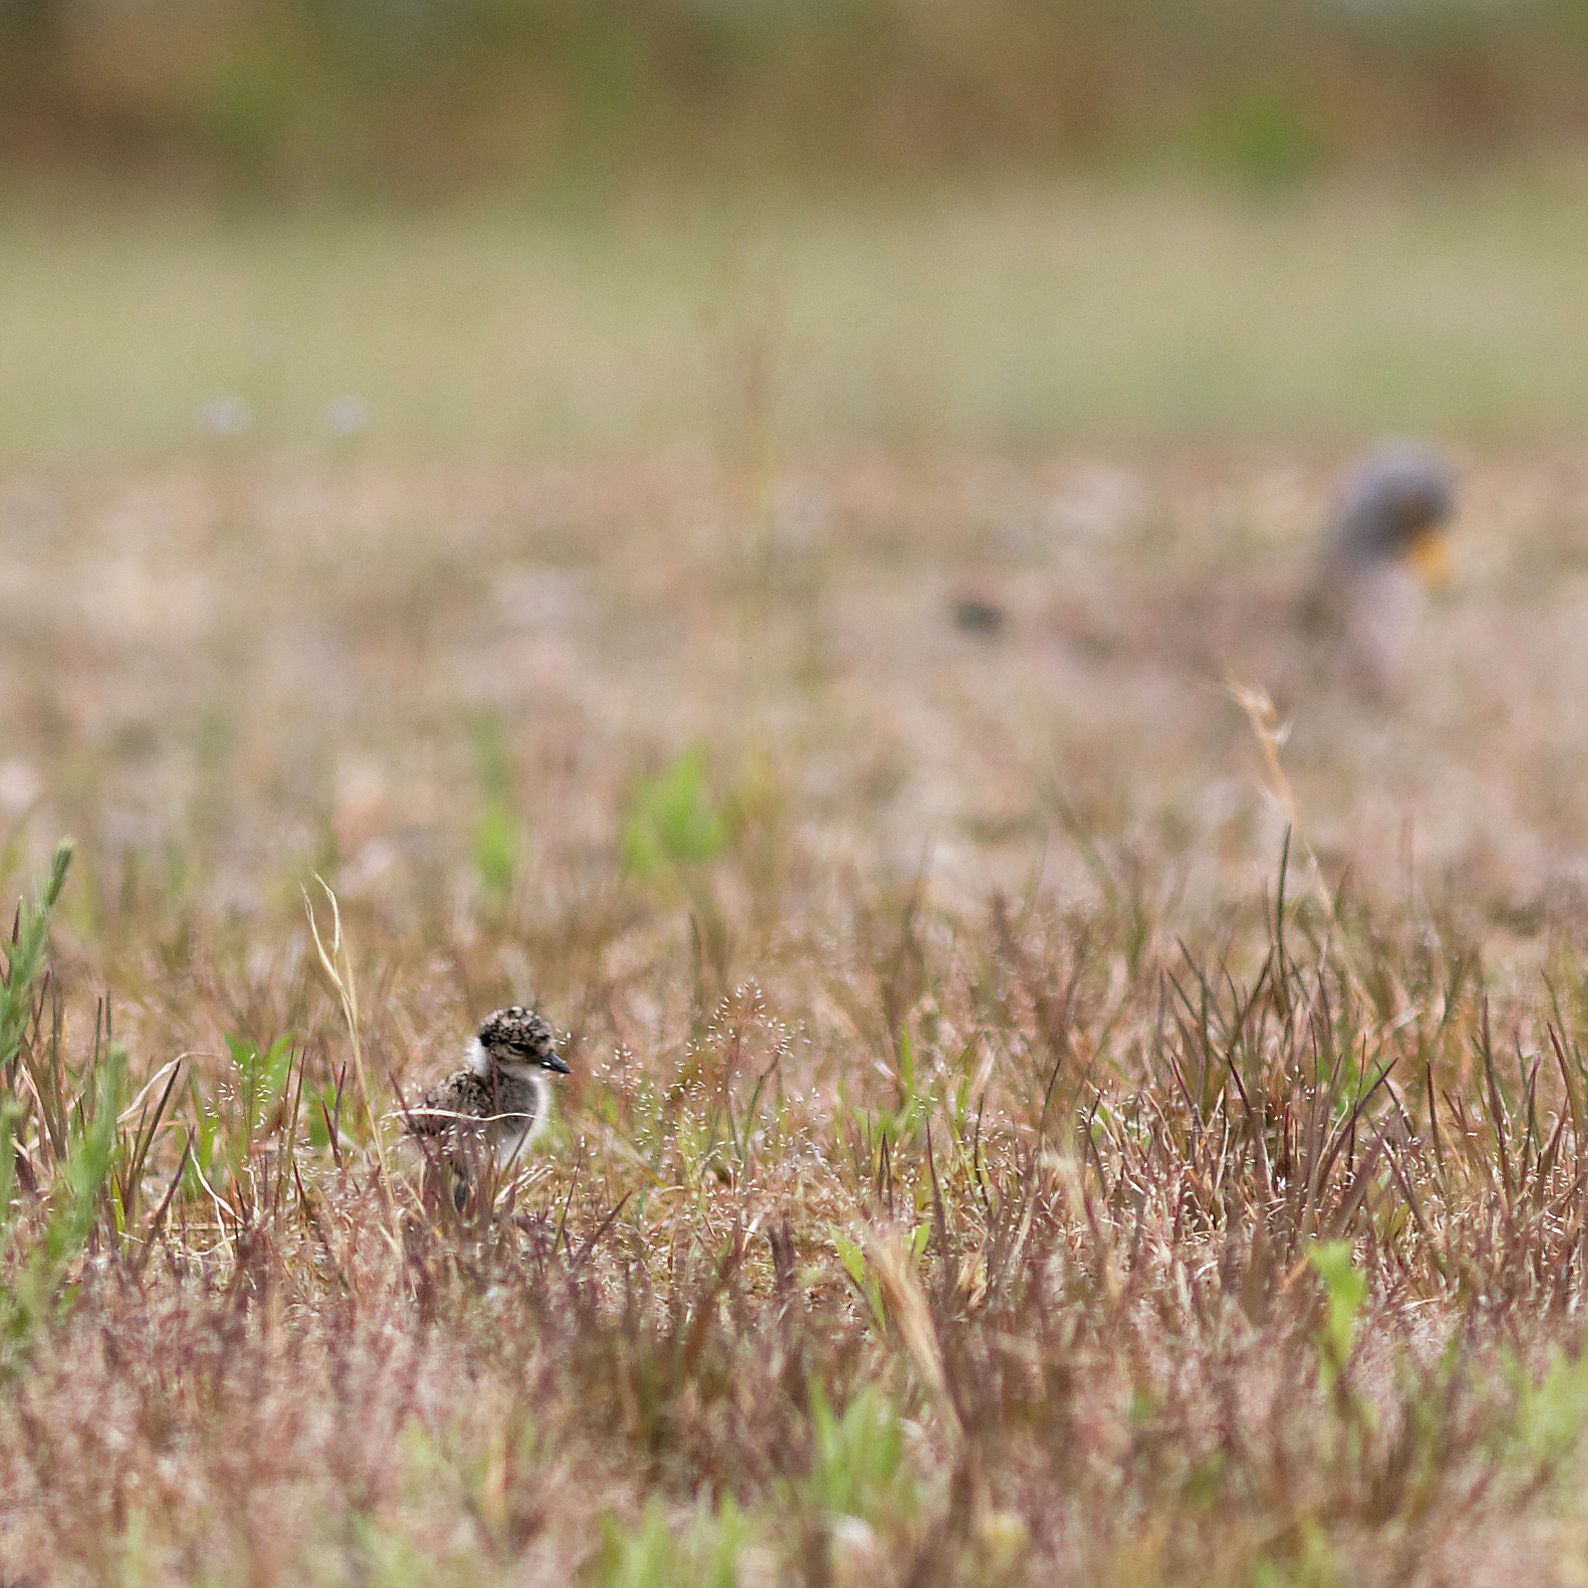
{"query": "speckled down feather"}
pixel 502 1108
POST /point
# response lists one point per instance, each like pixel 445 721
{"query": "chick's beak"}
pixel 1428 557
pixel 554 1063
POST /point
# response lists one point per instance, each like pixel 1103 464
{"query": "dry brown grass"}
pixel 985 1160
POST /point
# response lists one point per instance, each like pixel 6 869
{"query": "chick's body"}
pixel 498 1102
pixel 505 1111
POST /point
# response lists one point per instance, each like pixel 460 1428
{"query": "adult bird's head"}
pixel 1394 512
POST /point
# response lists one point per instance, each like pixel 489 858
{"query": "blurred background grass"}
pixel 1005 314
pixel 497 228
pixel 417 95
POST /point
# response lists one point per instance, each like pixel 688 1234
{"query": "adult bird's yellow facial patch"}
pixel 1428 556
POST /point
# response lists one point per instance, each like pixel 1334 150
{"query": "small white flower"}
pixel 346 416
pixel 225 414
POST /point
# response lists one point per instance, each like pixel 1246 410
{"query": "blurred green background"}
pixel 500 225
pixel 420 95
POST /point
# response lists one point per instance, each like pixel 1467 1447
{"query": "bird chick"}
pixel 499 1101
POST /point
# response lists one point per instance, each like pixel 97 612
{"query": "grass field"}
pixel 1020 1130
pixel 1010 314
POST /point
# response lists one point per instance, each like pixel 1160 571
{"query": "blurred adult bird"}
pixel 1347 617
pixel 1348 620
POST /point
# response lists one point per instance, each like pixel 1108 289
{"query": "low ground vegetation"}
pixel 1022 1129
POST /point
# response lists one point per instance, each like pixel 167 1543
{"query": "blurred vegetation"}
pixel 417 95
pixel 1337 311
